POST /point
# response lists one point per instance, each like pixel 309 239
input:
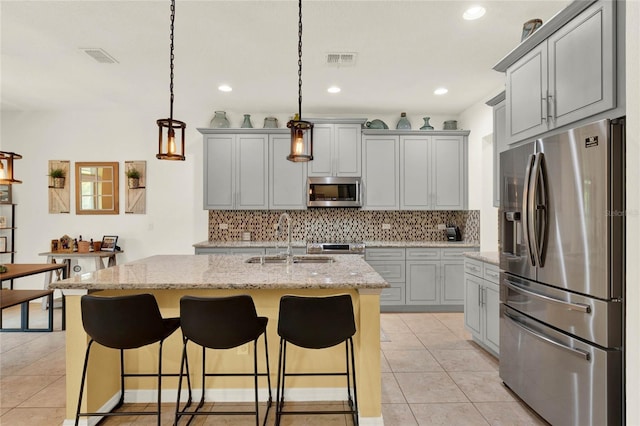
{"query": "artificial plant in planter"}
pixel 133 178
pixel 58 176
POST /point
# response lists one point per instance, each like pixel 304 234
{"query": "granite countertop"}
pixel 248 244
pixel 492 257
pixel 227 272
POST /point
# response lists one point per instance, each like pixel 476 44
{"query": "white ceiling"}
pixel 405 49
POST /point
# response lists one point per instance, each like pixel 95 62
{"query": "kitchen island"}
pixel 170 277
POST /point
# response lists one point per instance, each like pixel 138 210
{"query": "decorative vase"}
pixel 134 183
pixel 219 120
pixel 450 125
pixel 426 126
pixel 403 123
pixel 58 182
pixel 246 124
pixel 270 123
pixel 376 124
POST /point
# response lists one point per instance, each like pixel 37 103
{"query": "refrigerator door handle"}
pixel 538 208
pixel 526 212
pixel 580 307
pixel 577 352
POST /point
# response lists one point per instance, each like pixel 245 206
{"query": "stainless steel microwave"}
pixel 334 192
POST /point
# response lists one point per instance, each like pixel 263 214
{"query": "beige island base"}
pixel 169 278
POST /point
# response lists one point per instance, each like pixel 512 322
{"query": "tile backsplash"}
pixel 344 225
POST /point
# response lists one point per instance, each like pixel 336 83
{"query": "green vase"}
pixel 246 124
pixel 403 123
pixel 219 120
pixel 426 126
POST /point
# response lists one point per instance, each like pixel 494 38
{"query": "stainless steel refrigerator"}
pixel 562 256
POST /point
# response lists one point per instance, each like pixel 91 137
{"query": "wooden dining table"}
pixel 11 297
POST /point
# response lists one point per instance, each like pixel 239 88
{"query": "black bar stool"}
pixel 222 323
pixel 125 322
pixel 317 323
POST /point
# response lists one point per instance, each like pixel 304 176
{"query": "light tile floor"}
pixel 432 374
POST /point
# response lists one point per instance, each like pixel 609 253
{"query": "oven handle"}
pixel 580 307
pixel 577 352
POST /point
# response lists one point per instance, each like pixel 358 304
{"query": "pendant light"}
pixel 171 149
pixel 301 131
pixel 6 167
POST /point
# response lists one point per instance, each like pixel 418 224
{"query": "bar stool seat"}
pixel 317 323
pixel 125 322
pixel 223 323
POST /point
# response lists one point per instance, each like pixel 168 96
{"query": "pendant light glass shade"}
pixel 301 141
pixel 6 167
pixel 168 147
pixel 301 131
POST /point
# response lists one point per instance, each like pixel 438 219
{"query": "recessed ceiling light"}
pixel 225 88
pixel 440 91
pixel 334 89
pixel 474 12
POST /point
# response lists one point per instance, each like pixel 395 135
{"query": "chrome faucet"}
pixel 286 216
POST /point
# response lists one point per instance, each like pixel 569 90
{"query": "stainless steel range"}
pixel 336 248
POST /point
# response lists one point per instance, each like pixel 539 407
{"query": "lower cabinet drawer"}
pixel 392 296
pixel 391 270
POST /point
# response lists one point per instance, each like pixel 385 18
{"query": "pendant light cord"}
pixel 173 17
pixel 299 59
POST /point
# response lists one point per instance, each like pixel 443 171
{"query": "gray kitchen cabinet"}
pixel 235 171
pixel 381 173
pixel 390 264
pixel 567 77
pixel 423 277
pixel 482 303
pixel 337 148
pixel 435 276
pixel 449 167
pixel 287 179
pixel 500 144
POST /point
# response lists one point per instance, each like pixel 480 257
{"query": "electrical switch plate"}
pixel 386 226
pixel 442 226
pixel 223 226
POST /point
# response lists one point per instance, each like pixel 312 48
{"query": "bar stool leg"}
pixel 84 375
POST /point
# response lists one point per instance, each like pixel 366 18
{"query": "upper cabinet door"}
pixel 527 86
pixel 381 173
pixel 337 150
pixel 348 150
pixel 449 173
pixel 251 172
pixel 415 173
pixel 581 65
pixel 219 181
pixel 287 180
pixel 322 163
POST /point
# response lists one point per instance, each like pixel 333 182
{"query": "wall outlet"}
pixel 442 226
pixel 386 226
pixel 223 226
pixel 244 349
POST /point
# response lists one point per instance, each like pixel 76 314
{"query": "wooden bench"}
pixel 10 298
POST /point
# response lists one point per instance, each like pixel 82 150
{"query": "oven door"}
pixel 565 380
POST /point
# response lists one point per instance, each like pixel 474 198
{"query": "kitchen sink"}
pixel 296 259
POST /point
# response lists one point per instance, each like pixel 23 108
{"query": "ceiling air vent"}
pixel 341 59
pixel 99 55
